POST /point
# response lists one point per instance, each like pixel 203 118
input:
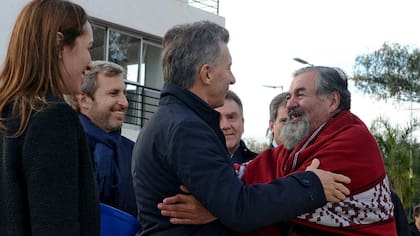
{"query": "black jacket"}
pixel 399 215
pixel 46 176
pixel 242 154
pixel 413 230
pixel 111 153
pixel 183 144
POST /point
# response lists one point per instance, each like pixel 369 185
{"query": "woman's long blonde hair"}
pixel 30 71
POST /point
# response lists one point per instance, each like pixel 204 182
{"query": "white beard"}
pixel 294 131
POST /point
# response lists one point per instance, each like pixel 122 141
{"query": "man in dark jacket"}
pixel 232 126
pixel 102 105
pixel 415 226
pixel 401 221
pixel 182 144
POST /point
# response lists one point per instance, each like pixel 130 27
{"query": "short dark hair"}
pixel 234 97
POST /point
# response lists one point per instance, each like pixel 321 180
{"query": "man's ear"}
pixel 82 100
pixel 270 125
pixel 205 75
pixel 334 101
pixel 80 97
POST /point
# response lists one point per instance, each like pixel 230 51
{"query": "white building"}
pixel 129 32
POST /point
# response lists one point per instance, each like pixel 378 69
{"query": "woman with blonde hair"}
pixel 46 174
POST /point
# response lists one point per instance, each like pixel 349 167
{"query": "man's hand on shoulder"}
pixel 332 183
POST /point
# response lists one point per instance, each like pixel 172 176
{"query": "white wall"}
pixel 150 16
pixel 9 9
pixel 154 17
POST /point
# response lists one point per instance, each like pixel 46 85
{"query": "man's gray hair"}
pixel 279 100
pixel 330 79
pixel 106 67
pixel 187 47
pixel 234 97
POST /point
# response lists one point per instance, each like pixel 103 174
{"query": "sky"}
pixel 266 35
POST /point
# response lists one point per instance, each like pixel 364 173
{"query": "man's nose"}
pixel 123 101
pixel 224 124
pixel 90 65
pixel 291 103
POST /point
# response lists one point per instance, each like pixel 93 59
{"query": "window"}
pixel 125 51
pixel 151 70
pixel 140 57
pixel 99 47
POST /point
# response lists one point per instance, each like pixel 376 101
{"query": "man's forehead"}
pixel 104 78
pixel 110 82
pixel 230 107
pixel 303 81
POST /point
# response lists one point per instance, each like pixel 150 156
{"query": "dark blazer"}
pixel 399 215
pixel 183 144
pixel 242 154
pixel 413 230
pixel 46 181
pixel 111 153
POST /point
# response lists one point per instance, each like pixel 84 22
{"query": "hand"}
pixel 185 209
pixel 332 183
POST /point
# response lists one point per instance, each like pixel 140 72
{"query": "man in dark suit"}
pixel 232 125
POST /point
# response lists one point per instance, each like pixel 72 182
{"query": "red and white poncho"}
pixel 343 145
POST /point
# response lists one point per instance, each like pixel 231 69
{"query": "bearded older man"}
pixel 321 126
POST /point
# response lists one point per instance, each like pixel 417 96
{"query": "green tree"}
pixel 415 180
pixel 393 71
pixel 255 145
pixel 398 150
pixel 389 72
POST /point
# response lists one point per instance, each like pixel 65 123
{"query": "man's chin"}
pixel 230 144
pixel 116 125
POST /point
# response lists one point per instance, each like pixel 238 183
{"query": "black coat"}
pixel 183 144
pixel 46 177
pixel 111 152
pixel 399 215
pixel 242 154
pixel 413 230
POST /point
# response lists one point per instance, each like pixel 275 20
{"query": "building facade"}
pixel 129 33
